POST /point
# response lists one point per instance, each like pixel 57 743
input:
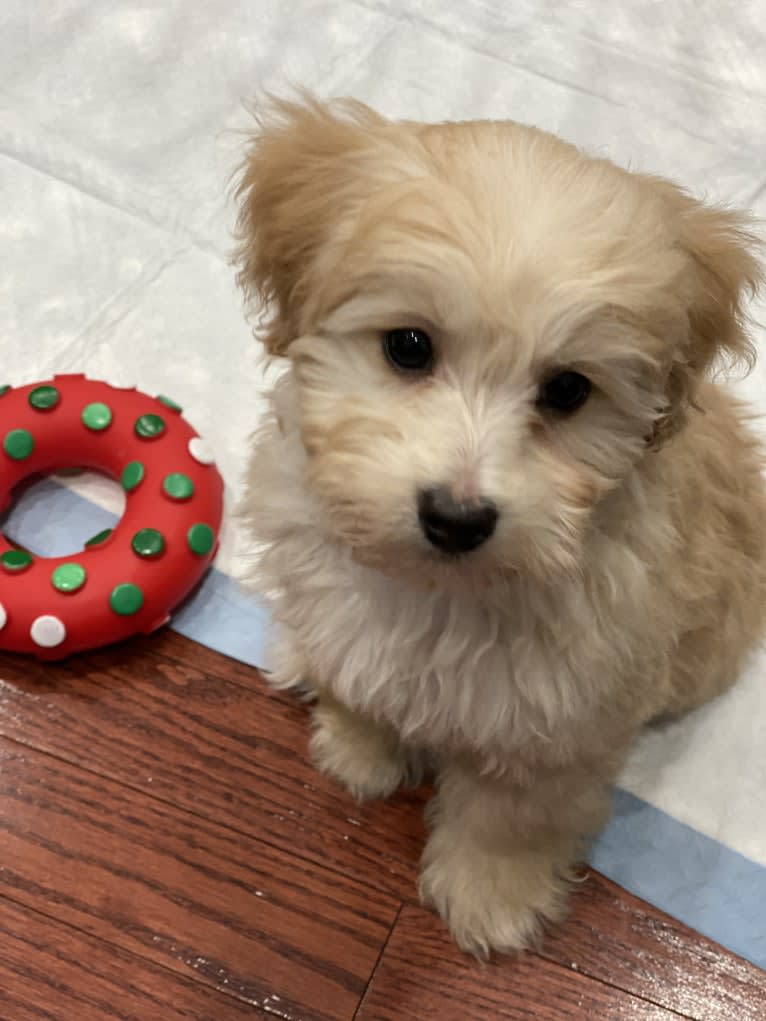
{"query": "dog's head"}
pixel 488 330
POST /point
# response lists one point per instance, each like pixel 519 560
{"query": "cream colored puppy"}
pixel 505 519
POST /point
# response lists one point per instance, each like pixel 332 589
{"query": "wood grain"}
pixel 50 972
pixel 201 731
pixel 179 891
pixel 620 940
pixel 422 977
pixel 158 803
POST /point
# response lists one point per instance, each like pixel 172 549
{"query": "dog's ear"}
pixel 724 271
pixel 298 176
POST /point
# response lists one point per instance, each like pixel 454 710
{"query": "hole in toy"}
pixel 51 519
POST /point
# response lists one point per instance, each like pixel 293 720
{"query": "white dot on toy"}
pixel 48 631
pixel 3 616
pixel 200 451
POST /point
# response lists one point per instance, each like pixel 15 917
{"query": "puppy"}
pixel 505 517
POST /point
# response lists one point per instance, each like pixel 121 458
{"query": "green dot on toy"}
pixel 150 426
pixel 100 537
pixel 68 577
pixel 97 416
pixel 148 542
pixel 126 599
pixel 132 475
pixel 201 539
pixel 43 398
pixel 4 389
pixel 178 486
pixel 18 444
pixel 16 560
pixel 169 403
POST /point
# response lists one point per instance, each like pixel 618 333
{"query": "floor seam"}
pixel 378 960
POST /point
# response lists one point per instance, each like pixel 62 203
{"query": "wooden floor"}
pixel 167 853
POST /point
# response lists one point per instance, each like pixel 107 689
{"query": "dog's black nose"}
pixel 452 526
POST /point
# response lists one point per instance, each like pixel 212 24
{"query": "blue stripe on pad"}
pixel 703 883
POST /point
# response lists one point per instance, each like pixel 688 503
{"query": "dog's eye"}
pixel 565 392
pixel 408 349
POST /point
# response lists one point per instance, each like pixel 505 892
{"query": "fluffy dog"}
pixel 504 514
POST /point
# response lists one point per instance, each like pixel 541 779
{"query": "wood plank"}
pixel 53 972
pixel 204 901
pixel 193 728
pixel 201 731
pixel 422 976
pixel 617 938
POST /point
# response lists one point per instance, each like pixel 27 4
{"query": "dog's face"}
pixel 489 331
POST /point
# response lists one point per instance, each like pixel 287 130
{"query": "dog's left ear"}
pixel 304 166
pixel 724 271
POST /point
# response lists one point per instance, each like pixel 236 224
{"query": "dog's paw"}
pixel 491 902
pixel 365 759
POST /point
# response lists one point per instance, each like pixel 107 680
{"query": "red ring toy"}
pixel 125 581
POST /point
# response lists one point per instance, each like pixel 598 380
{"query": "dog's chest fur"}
pixel 514 673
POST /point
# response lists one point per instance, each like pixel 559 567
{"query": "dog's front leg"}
pixel 500 855
pixel 365 756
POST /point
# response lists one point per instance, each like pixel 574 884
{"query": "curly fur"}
pixel 626 578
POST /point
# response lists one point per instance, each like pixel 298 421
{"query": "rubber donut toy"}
pixel 128 580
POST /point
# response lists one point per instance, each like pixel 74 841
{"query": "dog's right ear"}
pixel 299 175
pixel 723 272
